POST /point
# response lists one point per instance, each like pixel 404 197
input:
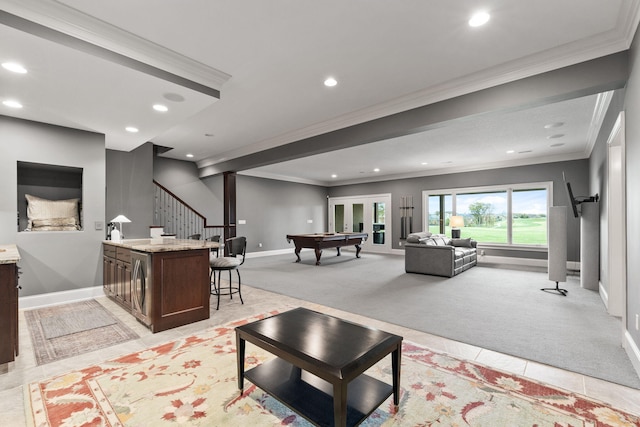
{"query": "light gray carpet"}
pixel 497 309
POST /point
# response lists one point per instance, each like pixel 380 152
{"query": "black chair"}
pixel 236 247
pixel 215 238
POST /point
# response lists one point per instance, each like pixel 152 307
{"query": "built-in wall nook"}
pixel 49 197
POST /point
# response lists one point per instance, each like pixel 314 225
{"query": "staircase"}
pixel 177 217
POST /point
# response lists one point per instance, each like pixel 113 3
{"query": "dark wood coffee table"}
pixel 319 369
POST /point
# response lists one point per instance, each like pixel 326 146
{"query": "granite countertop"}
pixel 9 254
pixel 163 245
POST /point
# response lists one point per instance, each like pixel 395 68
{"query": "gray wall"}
pixel 54 261
pixel 576 171
pixel 130 190
pixel 181 178
pixel 272 209
pixel 632 140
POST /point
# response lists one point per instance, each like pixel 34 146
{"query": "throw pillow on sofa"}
pixel 462 243
pixel 418 237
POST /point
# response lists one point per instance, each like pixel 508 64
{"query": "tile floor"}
pixel 14 375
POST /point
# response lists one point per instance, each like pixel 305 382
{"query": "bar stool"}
pixel 237 247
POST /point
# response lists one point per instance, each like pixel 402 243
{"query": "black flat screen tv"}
pixel 575 201
pixel 572 200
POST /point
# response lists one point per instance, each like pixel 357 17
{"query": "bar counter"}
pixel 163 244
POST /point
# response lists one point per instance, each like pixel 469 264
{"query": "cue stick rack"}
pixel 406 216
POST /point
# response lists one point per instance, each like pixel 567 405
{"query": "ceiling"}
pixel 242 77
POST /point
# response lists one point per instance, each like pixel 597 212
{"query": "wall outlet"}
pixel 481 252
pixel 309 221
pixel 259 245
pixel 242 221
pixel 400 244
pixel 637 322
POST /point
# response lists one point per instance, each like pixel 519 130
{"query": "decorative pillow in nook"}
pixel 51 214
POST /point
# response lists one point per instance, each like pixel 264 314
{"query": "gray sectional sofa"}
pixel 438 255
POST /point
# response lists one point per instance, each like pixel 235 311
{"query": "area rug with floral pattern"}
pixel 192 382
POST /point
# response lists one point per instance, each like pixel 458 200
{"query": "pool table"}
pixel 320 241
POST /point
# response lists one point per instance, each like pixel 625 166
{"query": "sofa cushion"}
pixel 418 237
pixel 440 240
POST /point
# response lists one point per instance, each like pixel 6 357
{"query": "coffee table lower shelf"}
pixel 312 397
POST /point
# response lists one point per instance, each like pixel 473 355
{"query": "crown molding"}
pixel 433 172
pixel 72 22
pixel 599 112
pixel 278 177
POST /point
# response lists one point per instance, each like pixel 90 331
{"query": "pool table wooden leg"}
pixel 358 249
pixel 297 252
pixel 318 255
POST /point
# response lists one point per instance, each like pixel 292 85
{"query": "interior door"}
pixel 366 214
pixel 616 223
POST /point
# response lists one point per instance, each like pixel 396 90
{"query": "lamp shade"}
pixel 456 221
pixel 121 218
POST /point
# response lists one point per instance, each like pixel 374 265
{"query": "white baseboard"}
pixel 604 295
pixel 525 262
pixel 632 351
pixel 273 252
pixel 504 260
pixel 62 297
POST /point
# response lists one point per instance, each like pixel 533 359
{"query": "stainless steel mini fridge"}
pixel 142 286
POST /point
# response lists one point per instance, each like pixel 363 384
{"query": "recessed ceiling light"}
pixel 559 144
pixel 525 151
pixel 555 136
pixel 334 176
pixel 208 135
pixel 510 151
pixel 11 103
pixel 553 125
pixel 131 129
pixel 190 155
pixel 479 19
pixel 376 170
pixel 424 163
pixel 160 107
pixel 14 67
pixel 330 82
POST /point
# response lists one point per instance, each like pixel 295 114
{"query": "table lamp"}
pixel 117 235
pixel 456 222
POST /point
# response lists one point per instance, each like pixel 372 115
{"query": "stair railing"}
pixel 177 217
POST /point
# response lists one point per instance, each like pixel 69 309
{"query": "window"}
pixel 506 215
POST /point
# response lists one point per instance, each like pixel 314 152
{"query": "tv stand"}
pixel 561 291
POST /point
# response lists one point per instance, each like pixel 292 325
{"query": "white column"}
pixel 557 258
pixel 590 245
